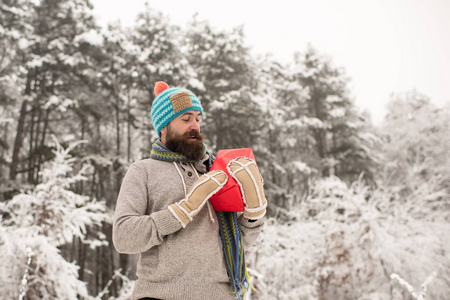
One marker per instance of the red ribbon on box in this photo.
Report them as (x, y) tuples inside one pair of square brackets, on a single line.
[(229, 198)]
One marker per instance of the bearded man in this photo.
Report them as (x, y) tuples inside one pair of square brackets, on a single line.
[(163, 212)]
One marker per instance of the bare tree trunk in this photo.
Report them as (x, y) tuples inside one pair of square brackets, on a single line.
[(117, 125), (335, 168), (83, 127), (30, 148), (92, 192), (3, 149), (97, 146), (112, 265), (18, 141), (97, 272), (81, 258), (41, 145), (34, 155), (129, 130)]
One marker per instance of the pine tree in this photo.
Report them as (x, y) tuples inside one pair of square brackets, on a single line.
[(222, 64), (55, 67), (285, 146), (42, 220), (158, 58), (15, 34), (343, 136)]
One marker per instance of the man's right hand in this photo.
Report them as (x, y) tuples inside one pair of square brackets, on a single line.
[(200, 192)]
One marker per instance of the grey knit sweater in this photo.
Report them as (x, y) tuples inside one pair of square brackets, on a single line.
[(174, 263)]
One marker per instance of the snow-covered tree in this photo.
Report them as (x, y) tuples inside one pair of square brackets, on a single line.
[(225, 84), (15, 29), (342, 136), (54, 75), (415, 152), (116, 79), (158, 57), (311, 127), (288, 160), (37, 223)]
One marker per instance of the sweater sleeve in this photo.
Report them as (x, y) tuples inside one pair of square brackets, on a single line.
[(133, 230), (250, 230)]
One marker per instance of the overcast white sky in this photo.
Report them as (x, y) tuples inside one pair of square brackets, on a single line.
[(385, 46)]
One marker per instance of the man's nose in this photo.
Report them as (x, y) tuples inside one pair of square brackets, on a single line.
[(194, 125)]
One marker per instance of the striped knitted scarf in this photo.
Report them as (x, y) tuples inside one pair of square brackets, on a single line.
[(160, 152), (230, 234)]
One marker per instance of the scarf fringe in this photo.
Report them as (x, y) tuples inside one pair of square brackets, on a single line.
[(234, 253)]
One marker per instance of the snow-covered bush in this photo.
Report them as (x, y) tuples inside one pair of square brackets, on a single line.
[(35, 223), (345, 243)]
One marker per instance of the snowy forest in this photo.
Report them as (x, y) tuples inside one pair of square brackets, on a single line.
[(355, 210)]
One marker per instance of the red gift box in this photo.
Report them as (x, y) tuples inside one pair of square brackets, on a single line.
[(229, 198)]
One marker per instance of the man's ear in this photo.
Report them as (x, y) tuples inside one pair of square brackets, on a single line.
[(163, 134)]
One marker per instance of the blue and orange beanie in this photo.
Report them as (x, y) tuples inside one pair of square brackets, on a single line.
[(170, 102)]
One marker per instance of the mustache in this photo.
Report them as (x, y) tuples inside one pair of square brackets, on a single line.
[(194, 134)]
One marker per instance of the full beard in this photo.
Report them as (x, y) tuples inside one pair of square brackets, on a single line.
[(181, 144)]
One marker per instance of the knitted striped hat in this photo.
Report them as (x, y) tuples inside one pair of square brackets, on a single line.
[(170, 103)]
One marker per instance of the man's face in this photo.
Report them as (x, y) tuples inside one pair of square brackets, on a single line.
[(182, 135)]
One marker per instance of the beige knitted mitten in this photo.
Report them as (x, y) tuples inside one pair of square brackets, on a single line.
[(206, 186), (246, 173)]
